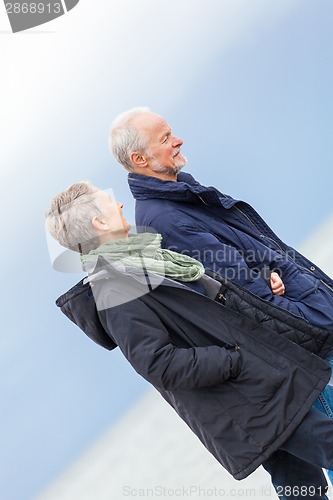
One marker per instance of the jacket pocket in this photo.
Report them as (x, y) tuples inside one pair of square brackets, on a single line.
[(299, 283), (258, 381)]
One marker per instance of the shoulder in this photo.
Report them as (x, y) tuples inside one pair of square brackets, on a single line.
[(156, 212)]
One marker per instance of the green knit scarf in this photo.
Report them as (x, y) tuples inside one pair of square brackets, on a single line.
[(144, 251)]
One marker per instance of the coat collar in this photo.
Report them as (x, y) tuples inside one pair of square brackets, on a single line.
[(186, 190)]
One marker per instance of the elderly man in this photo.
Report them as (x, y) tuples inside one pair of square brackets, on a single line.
[(228, 236), (229, 378)]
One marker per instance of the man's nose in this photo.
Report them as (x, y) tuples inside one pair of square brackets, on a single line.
[(120, 204), (177, 142)]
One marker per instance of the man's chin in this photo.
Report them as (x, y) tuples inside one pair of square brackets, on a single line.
[(169, 170), (177, 169), (179, 165)]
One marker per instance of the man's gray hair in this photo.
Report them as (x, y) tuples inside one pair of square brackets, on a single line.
[(126, 138), (69, 217)]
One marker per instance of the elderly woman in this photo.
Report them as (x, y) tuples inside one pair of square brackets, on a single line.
[(244, 390)]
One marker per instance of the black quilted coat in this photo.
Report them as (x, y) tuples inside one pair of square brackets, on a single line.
[(231, 367)]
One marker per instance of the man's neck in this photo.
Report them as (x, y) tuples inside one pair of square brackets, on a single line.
[(164, 177), (159, 175)]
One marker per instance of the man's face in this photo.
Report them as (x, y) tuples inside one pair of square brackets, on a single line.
[(163, 152)]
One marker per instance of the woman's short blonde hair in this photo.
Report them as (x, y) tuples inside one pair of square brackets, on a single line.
[(69, 218)]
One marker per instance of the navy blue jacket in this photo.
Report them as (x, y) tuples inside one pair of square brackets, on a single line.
[(228, 236)]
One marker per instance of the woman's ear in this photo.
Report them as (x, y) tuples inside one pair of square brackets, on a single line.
[(99, 223)]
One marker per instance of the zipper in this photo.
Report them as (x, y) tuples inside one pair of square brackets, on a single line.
[(248, 218), (328, 286), (276, 243), (286, 253), (262, 236), (220, 297), (202, 200)]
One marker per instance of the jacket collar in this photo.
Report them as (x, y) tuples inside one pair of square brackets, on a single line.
[(186, 189), (125, 276), (119, 277)]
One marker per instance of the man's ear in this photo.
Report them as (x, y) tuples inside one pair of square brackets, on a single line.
[(138, 159)]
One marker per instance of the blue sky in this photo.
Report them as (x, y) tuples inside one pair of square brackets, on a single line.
[(246, 84)]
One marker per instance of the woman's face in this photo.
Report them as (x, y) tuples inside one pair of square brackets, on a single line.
[(114, 223)]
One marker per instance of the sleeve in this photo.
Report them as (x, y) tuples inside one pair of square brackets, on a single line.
[(146, 344), (223, 260)]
